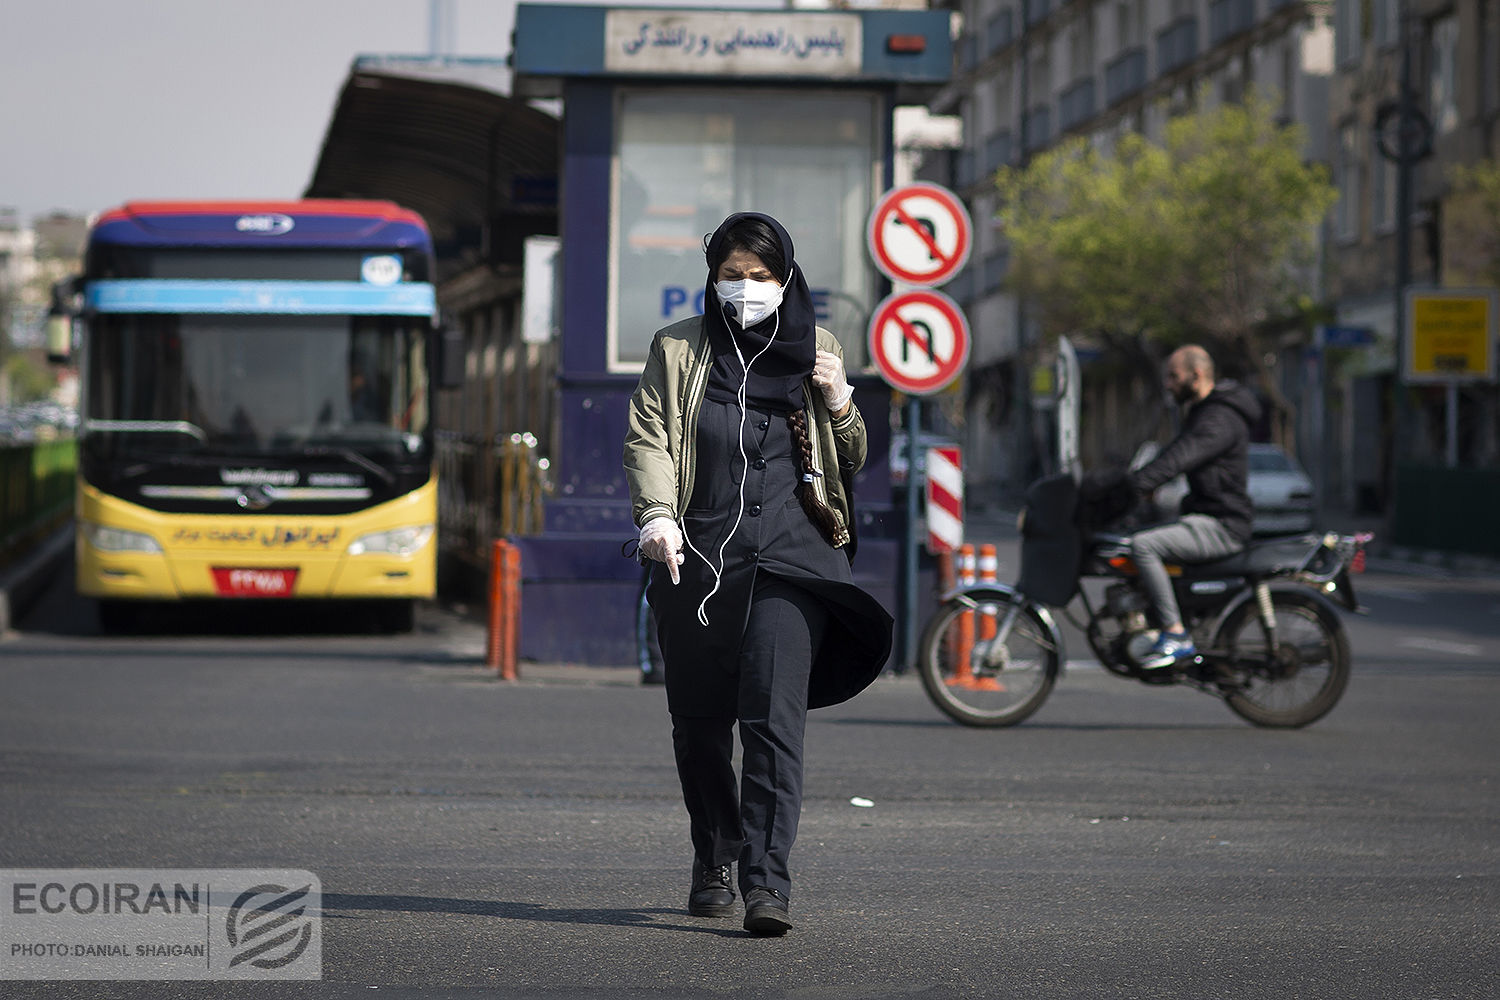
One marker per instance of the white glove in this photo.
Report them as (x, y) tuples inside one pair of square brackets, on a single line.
[(828, 375), (662, 541)]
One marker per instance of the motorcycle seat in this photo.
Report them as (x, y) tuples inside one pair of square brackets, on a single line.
[(1264, 558)]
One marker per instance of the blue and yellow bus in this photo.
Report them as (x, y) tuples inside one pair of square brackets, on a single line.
[(256, 405)]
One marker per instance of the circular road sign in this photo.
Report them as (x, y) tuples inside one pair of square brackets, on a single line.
[(919, 234), (919, 340)]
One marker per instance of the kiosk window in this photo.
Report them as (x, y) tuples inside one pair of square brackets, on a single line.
[(687, 161)]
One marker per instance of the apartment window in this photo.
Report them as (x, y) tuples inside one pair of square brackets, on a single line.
[(1346, 212), (1041, 78), (1130, 23), (1002, 107), (1081, 46), (1348, 30), (998, 31), (1387, 15), (1442, 83)]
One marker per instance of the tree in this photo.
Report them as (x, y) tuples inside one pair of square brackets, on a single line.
[(1207, 236), (1472, 217)]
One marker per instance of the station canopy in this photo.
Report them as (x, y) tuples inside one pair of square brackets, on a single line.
[(480, 167)]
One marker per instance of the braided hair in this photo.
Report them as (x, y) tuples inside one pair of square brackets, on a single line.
[(818, 512)]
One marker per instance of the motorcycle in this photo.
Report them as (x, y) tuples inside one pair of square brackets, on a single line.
[(1269, 638)]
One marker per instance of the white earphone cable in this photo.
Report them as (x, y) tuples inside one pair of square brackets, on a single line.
[(741, 397)]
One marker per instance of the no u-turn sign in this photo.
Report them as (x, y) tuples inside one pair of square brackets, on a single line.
[(919, 234), (919, 341)]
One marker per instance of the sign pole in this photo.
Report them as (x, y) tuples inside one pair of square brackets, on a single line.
[(918, 234), (913, 518), (1451, 451)]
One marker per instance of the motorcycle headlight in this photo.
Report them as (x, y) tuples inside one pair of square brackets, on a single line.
[(395, 542), (108, 539)]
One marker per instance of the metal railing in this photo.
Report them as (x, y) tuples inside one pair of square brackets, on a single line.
[(489, 488), (36, 492)]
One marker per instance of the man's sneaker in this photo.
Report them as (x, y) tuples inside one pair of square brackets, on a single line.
[(1169, 648)]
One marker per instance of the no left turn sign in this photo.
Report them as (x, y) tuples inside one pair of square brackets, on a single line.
[(919, 340), (919, 234)]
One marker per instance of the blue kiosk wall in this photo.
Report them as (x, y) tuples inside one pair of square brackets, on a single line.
[(579, 592)]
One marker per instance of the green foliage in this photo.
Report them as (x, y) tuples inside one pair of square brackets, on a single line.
[(29, 380), (1206, 235), (1472, 213)]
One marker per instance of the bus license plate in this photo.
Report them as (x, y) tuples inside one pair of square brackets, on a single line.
[(257, 582)]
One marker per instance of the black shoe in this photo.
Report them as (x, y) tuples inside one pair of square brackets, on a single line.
[(712, 894), (766, 912)]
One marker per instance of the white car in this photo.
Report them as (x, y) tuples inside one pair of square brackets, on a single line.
[(1281, 491)]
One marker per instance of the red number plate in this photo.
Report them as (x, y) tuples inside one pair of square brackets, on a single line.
[(257, 582)]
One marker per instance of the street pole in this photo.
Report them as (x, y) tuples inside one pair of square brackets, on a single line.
[(1403, 243), (1403, 135), (913, 534)]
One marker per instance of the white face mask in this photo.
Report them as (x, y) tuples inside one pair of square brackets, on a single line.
[(748, 302)]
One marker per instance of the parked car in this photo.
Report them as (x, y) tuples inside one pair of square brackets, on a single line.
[(1279, 488)]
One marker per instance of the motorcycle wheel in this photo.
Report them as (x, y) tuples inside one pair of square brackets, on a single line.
[(1296, 683), (995, 684)]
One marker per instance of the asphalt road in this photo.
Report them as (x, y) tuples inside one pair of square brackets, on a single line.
[(476, 838)]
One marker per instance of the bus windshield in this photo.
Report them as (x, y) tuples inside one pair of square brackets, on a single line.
[(243, 385)]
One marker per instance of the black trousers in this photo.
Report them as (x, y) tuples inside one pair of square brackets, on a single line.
[(766, 694)]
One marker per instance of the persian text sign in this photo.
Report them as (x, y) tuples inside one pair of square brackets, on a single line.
[(175, 923), (731, 43), (1452, 334)]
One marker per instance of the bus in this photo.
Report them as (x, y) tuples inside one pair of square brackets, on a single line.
[(255, 405)]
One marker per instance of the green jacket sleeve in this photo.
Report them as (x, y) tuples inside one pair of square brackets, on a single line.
[(650, 466), (849, 430)]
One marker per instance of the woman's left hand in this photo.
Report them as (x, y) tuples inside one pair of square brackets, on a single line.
[(828, 375)]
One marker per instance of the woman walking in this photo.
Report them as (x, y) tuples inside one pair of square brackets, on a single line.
[(742, 435)]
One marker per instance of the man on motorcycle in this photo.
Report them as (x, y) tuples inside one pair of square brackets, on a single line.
[(1216, 513)]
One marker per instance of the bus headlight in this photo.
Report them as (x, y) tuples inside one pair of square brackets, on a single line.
[(108, 539), (395, 542)]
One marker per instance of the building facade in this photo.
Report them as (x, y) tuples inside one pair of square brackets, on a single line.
[(1029, 73), (1453, 48)]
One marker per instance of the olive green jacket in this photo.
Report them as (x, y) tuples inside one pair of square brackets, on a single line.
[(661, 439)]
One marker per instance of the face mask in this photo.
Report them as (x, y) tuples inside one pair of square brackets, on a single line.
[(748, 302)]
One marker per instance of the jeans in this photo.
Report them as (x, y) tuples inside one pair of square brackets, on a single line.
[(1195, 538)]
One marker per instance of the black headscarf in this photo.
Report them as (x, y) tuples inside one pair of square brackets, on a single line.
[(775, 379)]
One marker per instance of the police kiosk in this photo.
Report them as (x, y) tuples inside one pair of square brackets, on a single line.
[(673, 119)]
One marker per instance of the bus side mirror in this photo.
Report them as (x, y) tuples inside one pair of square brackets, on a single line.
[(59, 339), (60, 315), (448, 344)]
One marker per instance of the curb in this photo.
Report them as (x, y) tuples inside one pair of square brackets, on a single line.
[(23, 582)]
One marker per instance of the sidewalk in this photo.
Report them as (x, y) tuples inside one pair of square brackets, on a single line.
[(22, 581)]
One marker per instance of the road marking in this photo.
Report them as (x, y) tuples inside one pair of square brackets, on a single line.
[(1416, 597), (1441, 646)]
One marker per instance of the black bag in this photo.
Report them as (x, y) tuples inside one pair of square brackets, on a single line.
[(1051, 544)]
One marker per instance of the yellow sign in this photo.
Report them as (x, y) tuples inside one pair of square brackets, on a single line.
[(1043, 380), (1452, 335)]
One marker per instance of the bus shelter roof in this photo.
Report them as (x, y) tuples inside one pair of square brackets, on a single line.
[(480, 167)]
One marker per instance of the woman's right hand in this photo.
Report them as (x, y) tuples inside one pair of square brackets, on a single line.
[(661, 540)]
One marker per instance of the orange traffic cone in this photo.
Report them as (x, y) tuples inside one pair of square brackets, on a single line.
[(989, 572), (963, 676)]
